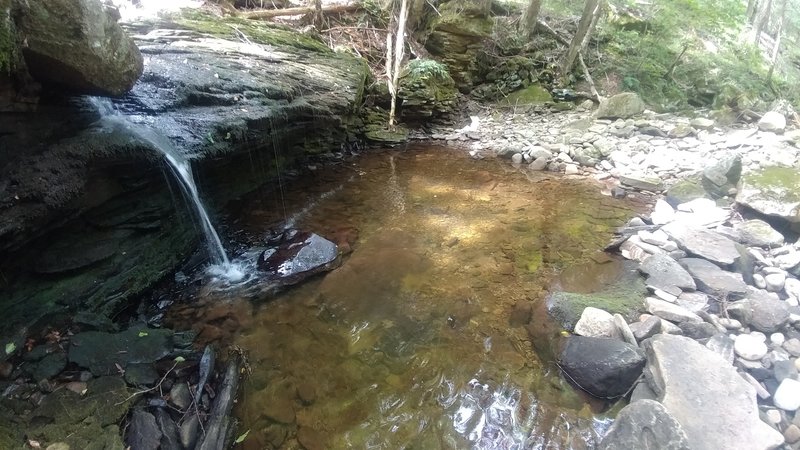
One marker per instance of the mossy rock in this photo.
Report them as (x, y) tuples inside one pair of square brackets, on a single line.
[(685, 190), (426, 90), (456, 38), (376, 128), (259, 32), (534, 94), (774, 191), (8, 44), (625, 296), (86, 421)]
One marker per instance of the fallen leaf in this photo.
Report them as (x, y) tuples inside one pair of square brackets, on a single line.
[(241, 437), (10, 347)]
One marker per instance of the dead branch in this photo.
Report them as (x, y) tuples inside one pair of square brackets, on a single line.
[(301, 10)]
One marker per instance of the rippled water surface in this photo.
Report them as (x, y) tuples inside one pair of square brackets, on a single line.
[(430, 334)]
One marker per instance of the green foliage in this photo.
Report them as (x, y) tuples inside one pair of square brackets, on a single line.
[(8, 47), (684, 53), (423, 69)]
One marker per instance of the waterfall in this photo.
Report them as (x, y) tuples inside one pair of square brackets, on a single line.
[(181, 168)]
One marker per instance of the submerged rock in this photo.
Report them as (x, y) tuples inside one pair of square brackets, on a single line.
[(105, 353)]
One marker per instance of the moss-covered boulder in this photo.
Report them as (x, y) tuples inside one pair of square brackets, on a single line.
[(685, 190), (624, 295), (457, 36), (774, 191), (534, 94), (427, 91), (620, 106), (77, 44), (502, 76)]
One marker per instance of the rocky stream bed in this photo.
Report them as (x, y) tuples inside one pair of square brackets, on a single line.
[(699, 329)]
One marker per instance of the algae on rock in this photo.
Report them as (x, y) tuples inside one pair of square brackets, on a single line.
[(427, 90)]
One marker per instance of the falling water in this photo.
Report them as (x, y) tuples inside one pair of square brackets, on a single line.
[(221, 265)]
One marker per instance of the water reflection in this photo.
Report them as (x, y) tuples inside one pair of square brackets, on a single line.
[(417, 341)]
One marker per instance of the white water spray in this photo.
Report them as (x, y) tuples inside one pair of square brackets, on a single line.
[(221, 265)]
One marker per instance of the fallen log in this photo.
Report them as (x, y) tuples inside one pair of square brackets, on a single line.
[(220, 426), (301, 10)]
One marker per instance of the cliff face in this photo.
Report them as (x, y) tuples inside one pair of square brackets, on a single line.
[(87, 217)]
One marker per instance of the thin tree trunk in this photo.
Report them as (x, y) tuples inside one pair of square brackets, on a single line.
[(777, 46), (270, 13), (751, 9), (761, 20), (528, 22), (393, 66), (318, 17), (595, 18), (589, 10)]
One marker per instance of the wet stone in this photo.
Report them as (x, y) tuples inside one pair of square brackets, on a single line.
[(298, 255), (180, 396), (644, 424), (101, 352), (646, 329), (48, 367), (141, 375), (143, 432)]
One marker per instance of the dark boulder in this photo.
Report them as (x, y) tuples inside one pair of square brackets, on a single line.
[(603, 367), (296, 255)]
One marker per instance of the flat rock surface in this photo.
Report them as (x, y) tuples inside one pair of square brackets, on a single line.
[(663, 271), (712, 280), (715, 406), (102, 353), (645, 424), (708, 244)]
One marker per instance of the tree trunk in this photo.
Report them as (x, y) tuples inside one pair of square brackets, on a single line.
[(589, 11), (778, 39), (750, 13), (528, 22), (393, 66), (761, 20)]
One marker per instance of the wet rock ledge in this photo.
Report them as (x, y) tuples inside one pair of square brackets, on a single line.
[(88, 219)]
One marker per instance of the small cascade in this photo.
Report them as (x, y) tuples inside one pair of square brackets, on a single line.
[(180, 167)]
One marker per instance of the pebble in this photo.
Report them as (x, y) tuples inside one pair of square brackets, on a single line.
[(777, 339), (731, 324), (749, 347), (792, 434), (759, 281), (773, 416), (792, 346), (787, 396), (775, 281)]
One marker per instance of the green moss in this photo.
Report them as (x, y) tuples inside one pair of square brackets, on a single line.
[(534, 94), (464, 18), (626, 297), (258, 32), (781, 183), (8, 47)]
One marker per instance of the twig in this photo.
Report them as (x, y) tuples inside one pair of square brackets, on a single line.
[(157, 386)]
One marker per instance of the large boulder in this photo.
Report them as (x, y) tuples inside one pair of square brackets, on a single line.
[(620, 106), (603, 367), (427, 91), (773, 190), (772, 121), (78, 45), (645, 424), (715, 406), (720, 178)]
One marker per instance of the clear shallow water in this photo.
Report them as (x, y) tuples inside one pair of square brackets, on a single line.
[(419, 339)]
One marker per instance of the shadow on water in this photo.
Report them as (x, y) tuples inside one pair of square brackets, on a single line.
[(424, 337)]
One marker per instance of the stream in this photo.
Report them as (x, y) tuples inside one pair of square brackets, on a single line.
[(432, 332)]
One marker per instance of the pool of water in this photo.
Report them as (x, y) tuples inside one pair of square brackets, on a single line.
[(431, 333)]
